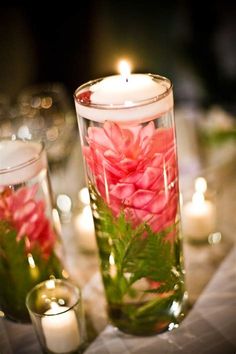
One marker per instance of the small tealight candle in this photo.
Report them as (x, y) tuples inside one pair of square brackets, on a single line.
[(60, 328), (199, 215)]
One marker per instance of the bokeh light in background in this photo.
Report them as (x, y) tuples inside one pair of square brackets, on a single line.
[(191, 44)]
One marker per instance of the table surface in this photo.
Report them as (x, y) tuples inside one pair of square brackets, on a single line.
[(208, 328), (201, 261)]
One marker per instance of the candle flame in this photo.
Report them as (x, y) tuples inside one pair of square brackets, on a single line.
[(34, 271), (54, 306), (111, 259), (113, 270), (124, 69), (200, 185), (198, 199), (50, 284), (84, 196), (64, 203), (31, 260)]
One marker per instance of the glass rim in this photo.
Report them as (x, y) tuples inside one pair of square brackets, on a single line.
[(134, 104), (57, 281), (34, 159)]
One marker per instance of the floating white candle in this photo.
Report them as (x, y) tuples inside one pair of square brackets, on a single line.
[(127, 91), (61, 330), (20, 161), (199, 215)]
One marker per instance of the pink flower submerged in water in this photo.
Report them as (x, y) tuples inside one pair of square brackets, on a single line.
[(27, 215), (134, 170)]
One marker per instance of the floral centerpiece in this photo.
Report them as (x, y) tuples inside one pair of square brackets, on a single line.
[(136, 222), (129, 147), (27, 242)]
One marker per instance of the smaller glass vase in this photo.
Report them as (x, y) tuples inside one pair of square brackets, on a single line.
[(28, 237)]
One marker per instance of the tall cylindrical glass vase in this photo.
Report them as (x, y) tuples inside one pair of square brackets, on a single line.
[(28, 234), (128, 141)]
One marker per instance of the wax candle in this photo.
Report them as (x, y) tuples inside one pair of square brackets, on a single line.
[(127, 90), (199, 215), (18, 154), (84, 196), (84, 226), (61, 331)]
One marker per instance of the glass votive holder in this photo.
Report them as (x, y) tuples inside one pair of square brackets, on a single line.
[(199, 215), (56, 311)]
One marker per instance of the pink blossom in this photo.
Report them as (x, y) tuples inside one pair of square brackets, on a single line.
[(134, 169), (27, 215)]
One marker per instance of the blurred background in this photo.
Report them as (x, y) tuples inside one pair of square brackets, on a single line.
[(47, 51), (191, 43)]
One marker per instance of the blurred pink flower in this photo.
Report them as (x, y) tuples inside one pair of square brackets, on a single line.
[(27, 216), (134, 169)]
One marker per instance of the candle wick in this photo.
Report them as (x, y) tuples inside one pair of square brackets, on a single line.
[(126, 80)]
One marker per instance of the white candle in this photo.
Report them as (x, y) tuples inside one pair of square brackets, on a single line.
[(84, 196), (127, 91), (199, 215), (61, 331), (85, 228), (20, 161)]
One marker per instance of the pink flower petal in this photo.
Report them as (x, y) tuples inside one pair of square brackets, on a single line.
[(99, 136), (147, 131), (148, 177), (140, 198), (170, 157), (25, 211), (157, 160), (24, 194), (138, 215), (132, 177), (157, 204), (159, 183), (114, 134), (128, 164), (112, 169), (122, 190)]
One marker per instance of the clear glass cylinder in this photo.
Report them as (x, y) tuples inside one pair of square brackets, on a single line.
[(129, 148), (29, 244)]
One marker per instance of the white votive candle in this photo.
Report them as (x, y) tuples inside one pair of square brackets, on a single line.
[(198, 217), (61, 331), (84, 196), (84, 227)]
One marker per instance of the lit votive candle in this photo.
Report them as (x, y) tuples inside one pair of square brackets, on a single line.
[(55, 308), (61, 331), (84, 227), (84, 196), (199, 215)]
